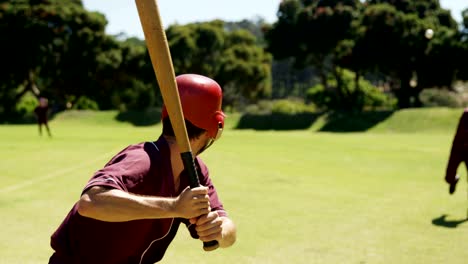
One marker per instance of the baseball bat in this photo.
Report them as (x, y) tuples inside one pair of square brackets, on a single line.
[(161, 60)]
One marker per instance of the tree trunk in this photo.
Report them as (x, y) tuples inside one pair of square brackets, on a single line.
[(403, 93), (323, 77), (29, 85), (357, 95), (340, 92)]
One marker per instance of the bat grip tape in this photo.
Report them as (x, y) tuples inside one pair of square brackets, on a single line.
[(189, 165)]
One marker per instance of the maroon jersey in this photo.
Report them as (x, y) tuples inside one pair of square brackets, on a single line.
[(459, 151), (41, 114), (142, 169)]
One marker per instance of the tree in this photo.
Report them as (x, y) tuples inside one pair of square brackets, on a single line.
[(256, 27), (51, 49), (462, 73), (317, 33), (245, 68), (391, 40), (125, 78), (233, 58)]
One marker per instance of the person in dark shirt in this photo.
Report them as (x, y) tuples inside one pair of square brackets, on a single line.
[(41, 111), (130, 210), (458, 152)]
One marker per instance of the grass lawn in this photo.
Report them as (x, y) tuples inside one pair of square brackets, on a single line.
[(296, 196)]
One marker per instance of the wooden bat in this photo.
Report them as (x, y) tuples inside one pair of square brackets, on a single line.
[(160, 55)]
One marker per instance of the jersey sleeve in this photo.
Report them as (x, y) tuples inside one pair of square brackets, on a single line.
[(205, 180), (124, 171)]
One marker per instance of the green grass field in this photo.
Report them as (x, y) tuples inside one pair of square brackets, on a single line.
[(296, 196)]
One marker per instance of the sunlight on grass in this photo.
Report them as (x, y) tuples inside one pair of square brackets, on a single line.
[(296, 196)]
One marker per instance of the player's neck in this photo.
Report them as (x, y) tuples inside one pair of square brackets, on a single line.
[(176, 160)]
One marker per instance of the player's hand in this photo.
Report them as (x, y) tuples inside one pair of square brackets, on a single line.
[(208, 226), (192, 203), (453, 184)]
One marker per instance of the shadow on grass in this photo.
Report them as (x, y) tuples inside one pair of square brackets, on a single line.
[(354, 122), (23, 119), (277, 121), (442, 221), (140, 118), (334, 122)]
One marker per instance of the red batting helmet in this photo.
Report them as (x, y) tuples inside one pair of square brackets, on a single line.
[(201, 99)]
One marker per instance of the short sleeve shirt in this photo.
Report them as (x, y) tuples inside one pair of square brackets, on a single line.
[(41, 113), (142, 169)]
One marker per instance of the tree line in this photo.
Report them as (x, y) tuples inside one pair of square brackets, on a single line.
[(380, 40), (329, 52)]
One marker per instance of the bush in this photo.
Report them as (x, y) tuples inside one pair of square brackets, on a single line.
[(147, 117), (261, 107), (374, 99), (26, 104), (84, 103), (439, 98), (25, 109), (291, 107), (283, 114), (139, 96), (347, 97), (281, 106), (321, 97)]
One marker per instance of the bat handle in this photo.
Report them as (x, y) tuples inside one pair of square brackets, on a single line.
[(189, 165)]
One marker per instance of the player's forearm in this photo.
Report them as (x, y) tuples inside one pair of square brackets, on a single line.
[(228, 233), (119, 206)]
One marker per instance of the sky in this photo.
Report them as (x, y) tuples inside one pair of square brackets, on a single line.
[(122, 15)]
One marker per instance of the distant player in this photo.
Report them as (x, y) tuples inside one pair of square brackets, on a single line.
[(41, 112), (458, 153)]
